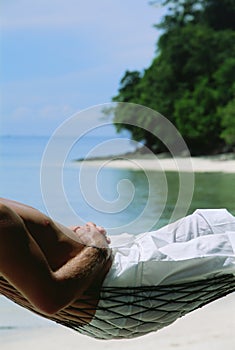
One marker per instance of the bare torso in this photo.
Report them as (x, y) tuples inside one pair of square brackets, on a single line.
[(59, 246)]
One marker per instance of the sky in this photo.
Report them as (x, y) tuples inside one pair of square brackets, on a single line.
[(58, 57)]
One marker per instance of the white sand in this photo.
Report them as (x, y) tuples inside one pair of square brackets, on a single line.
[(196, 164), (211, 327)]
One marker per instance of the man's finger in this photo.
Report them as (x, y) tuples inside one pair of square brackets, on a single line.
[(101, 229), (91, 224), (74, 228)]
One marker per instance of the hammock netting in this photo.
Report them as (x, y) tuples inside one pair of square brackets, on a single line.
[(140, 310), (125, 312)]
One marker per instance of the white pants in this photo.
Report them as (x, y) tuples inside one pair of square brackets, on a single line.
[(198, 247), (200, 244)]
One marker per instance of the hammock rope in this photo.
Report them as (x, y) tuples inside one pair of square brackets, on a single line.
[(151, 308), (132, 312)]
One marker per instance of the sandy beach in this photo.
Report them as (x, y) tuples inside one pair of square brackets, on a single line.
[(220, 163), (210, 327)]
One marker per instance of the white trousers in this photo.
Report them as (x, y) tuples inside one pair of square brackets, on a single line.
[(196, 248)]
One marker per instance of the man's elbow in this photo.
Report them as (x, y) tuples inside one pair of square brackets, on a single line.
[(49, 307), (51, 301)]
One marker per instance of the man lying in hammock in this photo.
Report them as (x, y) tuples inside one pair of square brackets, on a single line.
[(141, 284)]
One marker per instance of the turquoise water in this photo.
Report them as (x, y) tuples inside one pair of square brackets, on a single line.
[(20, 180)]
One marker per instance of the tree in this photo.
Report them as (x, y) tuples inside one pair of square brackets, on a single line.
[(228, 122), (191, 79), (219, 15), (129, 87)]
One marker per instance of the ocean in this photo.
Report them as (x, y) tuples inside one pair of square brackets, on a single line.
[(114, 198)]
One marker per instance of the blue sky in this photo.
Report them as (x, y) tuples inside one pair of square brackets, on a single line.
[(61, 56)]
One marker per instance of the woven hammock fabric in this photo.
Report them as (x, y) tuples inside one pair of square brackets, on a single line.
[(137, 311)]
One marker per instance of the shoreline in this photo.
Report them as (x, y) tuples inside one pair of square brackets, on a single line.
[(224, 163)]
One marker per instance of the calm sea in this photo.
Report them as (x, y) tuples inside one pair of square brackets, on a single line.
[(110, 197)]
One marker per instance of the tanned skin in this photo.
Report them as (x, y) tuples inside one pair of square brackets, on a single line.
[(49, 265)]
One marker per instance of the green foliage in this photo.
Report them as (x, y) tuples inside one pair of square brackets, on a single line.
[(219, 14), (191, 80), (128, 87), (228, 122), (197, 120)]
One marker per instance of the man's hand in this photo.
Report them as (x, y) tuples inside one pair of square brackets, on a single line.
[(92, 235)]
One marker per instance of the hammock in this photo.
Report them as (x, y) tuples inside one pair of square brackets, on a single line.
[(150, 308), (133, 312), (156, 278)]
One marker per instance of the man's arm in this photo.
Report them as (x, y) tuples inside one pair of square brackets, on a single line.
[(42, 227), (57, 242), (23, 264)]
